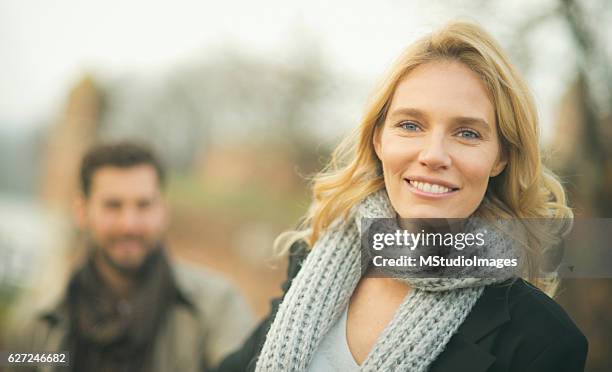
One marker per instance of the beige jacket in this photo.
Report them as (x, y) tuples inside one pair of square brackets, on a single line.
[(188, 338)]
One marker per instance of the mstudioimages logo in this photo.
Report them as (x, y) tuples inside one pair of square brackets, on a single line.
[(439, 261)]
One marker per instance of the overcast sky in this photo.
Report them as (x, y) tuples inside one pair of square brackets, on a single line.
[(47, 45)]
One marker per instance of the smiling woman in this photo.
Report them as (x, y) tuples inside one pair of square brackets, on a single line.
[(436, 147), (451, 132)]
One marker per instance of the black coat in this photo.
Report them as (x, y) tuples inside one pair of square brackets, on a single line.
[(512, 327)]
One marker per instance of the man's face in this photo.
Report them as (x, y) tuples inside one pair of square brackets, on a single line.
[(125, 215)]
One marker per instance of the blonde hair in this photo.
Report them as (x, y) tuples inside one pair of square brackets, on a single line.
[(525, 189)]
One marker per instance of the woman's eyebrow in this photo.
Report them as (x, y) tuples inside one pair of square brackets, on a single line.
[(409, 111)]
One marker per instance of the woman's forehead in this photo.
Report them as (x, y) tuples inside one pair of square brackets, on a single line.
[(446, 88)]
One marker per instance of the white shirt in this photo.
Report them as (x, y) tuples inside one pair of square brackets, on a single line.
[(333, 353)]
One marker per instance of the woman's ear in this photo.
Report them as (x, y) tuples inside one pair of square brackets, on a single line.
[(376, 141)]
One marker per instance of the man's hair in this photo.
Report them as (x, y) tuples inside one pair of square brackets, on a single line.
[(125, 154)]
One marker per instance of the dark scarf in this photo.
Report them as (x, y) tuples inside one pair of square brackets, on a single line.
[(109, 334)]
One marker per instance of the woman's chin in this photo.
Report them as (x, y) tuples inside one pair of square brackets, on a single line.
[(425, 213)]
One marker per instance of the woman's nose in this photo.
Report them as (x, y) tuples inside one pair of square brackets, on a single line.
[(434, 153)]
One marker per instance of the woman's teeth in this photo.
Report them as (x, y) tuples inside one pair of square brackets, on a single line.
[(430, 187)]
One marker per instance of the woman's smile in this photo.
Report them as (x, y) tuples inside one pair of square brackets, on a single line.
[(430, 190)]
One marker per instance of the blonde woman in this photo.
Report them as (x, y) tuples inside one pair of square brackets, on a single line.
[(451, 132)]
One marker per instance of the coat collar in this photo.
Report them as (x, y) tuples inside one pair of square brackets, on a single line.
[(465, 351), (490, 312)]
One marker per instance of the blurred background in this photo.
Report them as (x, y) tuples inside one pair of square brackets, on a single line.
[(245, 100)]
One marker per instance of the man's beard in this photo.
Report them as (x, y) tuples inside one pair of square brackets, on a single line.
[(132, 271)]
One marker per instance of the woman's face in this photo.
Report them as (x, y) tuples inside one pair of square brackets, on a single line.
[(439, 143)]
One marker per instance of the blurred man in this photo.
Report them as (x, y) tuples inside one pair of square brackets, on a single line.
[(128, 307)]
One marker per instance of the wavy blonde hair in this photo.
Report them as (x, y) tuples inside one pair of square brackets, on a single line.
[(525, 188)]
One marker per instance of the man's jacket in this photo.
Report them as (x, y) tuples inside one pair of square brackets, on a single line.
[(214, 322)]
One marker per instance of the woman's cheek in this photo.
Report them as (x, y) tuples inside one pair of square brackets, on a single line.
[(397, 153), (475, 170)]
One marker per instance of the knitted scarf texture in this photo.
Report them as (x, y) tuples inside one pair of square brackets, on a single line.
[(421, 327)]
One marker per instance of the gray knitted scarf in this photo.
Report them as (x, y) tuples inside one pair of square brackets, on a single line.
[(420, 329)]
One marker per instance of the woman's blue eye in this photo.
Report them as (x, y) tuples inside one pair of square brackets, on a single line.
[(409, 126), (470, 134)]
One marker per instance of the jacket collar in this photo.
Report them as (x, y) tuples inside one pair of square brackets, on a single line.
[(466, 351), (490, 312)]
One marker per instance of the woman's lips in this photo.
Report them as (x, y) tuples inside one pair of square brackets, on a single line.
[(430, 191)]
